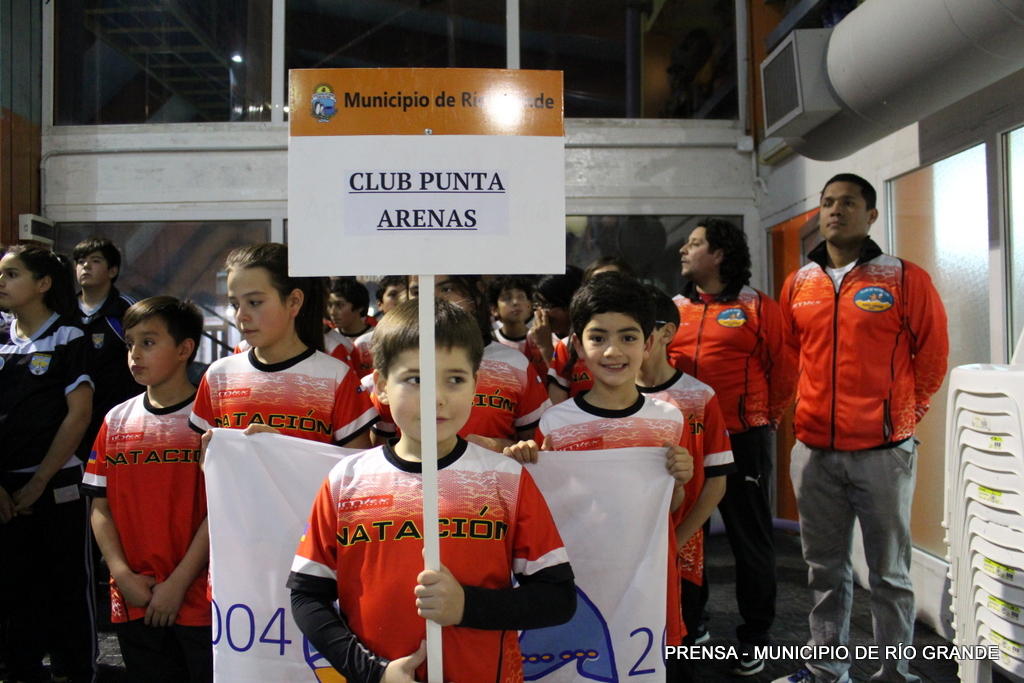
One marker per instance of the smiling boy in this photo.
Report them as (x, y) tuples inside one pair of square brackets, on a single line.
[(362, 546), (612, 320)]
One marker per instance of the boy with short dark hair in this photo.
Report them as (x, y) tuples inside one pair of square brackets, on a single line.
[(361, 546), (612, 320), (347, 306), (149, 502), (102, 306), (390, 293), (511, 300), (707, 440)]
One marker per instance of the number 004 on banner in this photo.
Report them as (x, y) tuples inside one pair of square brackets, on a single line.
[(427, 171)]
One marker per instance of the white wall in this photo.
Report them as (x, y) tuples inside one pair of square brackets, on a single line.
[(163, 172)]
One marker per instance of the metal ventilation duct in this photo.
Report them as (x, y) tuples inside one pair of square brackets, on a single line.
[(893, 62)]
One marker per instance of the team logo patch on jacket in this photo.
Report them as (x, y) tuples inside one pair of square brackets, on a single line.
[(732, 317), (97, 340), (874, 299), (40, 363)]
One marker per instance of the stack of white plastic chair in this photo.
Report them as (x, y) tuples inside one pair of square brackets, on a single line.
[(984, 513)]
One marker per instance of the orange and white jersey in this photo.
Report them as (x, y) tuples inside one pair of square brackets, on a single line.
[(707, 440), (871, 354), (364, 539), (736, 344), (528, 347), (575, 382), (336, 345), (364, 351), (145, 462), (311, 396), (575, 425), (509, 397)]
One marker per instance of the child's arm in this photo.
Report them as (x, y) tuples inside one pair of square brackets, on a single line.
[(556, 393), (316, 617), (63, 446), (168, 594), (542, 334), (710, 495), (545, 598), (680, 465), (136, 588)]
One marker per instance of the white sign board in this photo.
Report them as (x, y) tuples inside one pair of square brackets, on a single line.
[(466, 175)]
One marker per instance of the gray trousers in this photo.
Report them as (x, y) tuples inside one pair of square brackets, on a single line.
[(876, 487)]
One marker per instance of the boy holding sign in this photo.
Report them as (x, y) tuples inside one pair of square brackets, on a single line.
[(362, 546), (612, 320)]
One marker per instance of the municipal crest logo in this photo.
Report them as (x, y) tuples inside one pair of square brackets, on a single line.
[(324, 102), (97, 340), (40, 363), (873, 299), (732, 317)]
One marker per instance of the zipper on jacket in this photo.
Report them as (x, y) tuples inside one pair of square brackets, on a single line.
[(835, 354), (886, 421)]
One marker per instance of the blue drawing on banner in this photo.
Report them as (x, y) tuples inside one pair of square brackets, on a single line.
[(584, 639), (325, 673)]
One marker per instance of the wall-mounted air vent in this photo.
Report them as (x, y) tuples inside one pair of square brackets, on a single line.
[(793, 79)]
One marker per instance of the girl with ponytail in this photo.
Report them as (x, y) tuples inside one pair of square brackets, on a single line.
[(285, 383), (45, 408)]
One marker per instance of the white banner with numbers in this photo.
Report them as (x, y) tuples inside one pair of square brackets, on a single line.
[(611, 508)]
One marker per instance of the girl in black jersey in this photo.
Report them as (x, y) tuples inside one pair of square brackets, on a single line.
[(45, 407)]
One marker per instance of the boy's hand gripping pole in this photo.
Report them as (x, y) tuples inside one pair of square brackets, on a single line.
[(428, 441)]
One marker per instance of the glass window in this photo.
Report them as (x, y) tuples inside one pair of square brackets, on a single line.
[(161, 61), (1015, 183), (185, 260), (940, 222), (395, 33), (649, 244)]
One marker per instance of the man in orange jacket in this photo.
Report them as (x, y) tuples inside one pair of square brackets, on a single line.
[(730, 336), (870, 331)]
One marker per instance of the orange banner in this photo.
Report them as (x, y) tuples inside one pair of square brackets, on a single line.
[(415, 101)]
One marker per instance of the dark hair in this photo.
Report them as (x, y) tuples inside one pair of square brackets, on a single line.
[(611, 292), (110, 253), (183, 318), (866, 188), (399, 331), (42, 262), (619, 264), (558, 290), (724, 235), (400, 281), (468, 286), (273, 258), (665, 310), (508, 283), (352, 291)]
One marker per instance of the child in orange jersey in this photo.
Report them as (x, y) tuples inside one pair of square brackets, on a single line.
[(383, 596), (510, 396), (149, 502), (285, 383), (612, 320), (511, 299), (707, 440)]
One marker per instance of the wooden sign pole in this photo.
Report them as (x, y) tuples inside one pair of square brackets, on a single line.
[(428, 455)]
